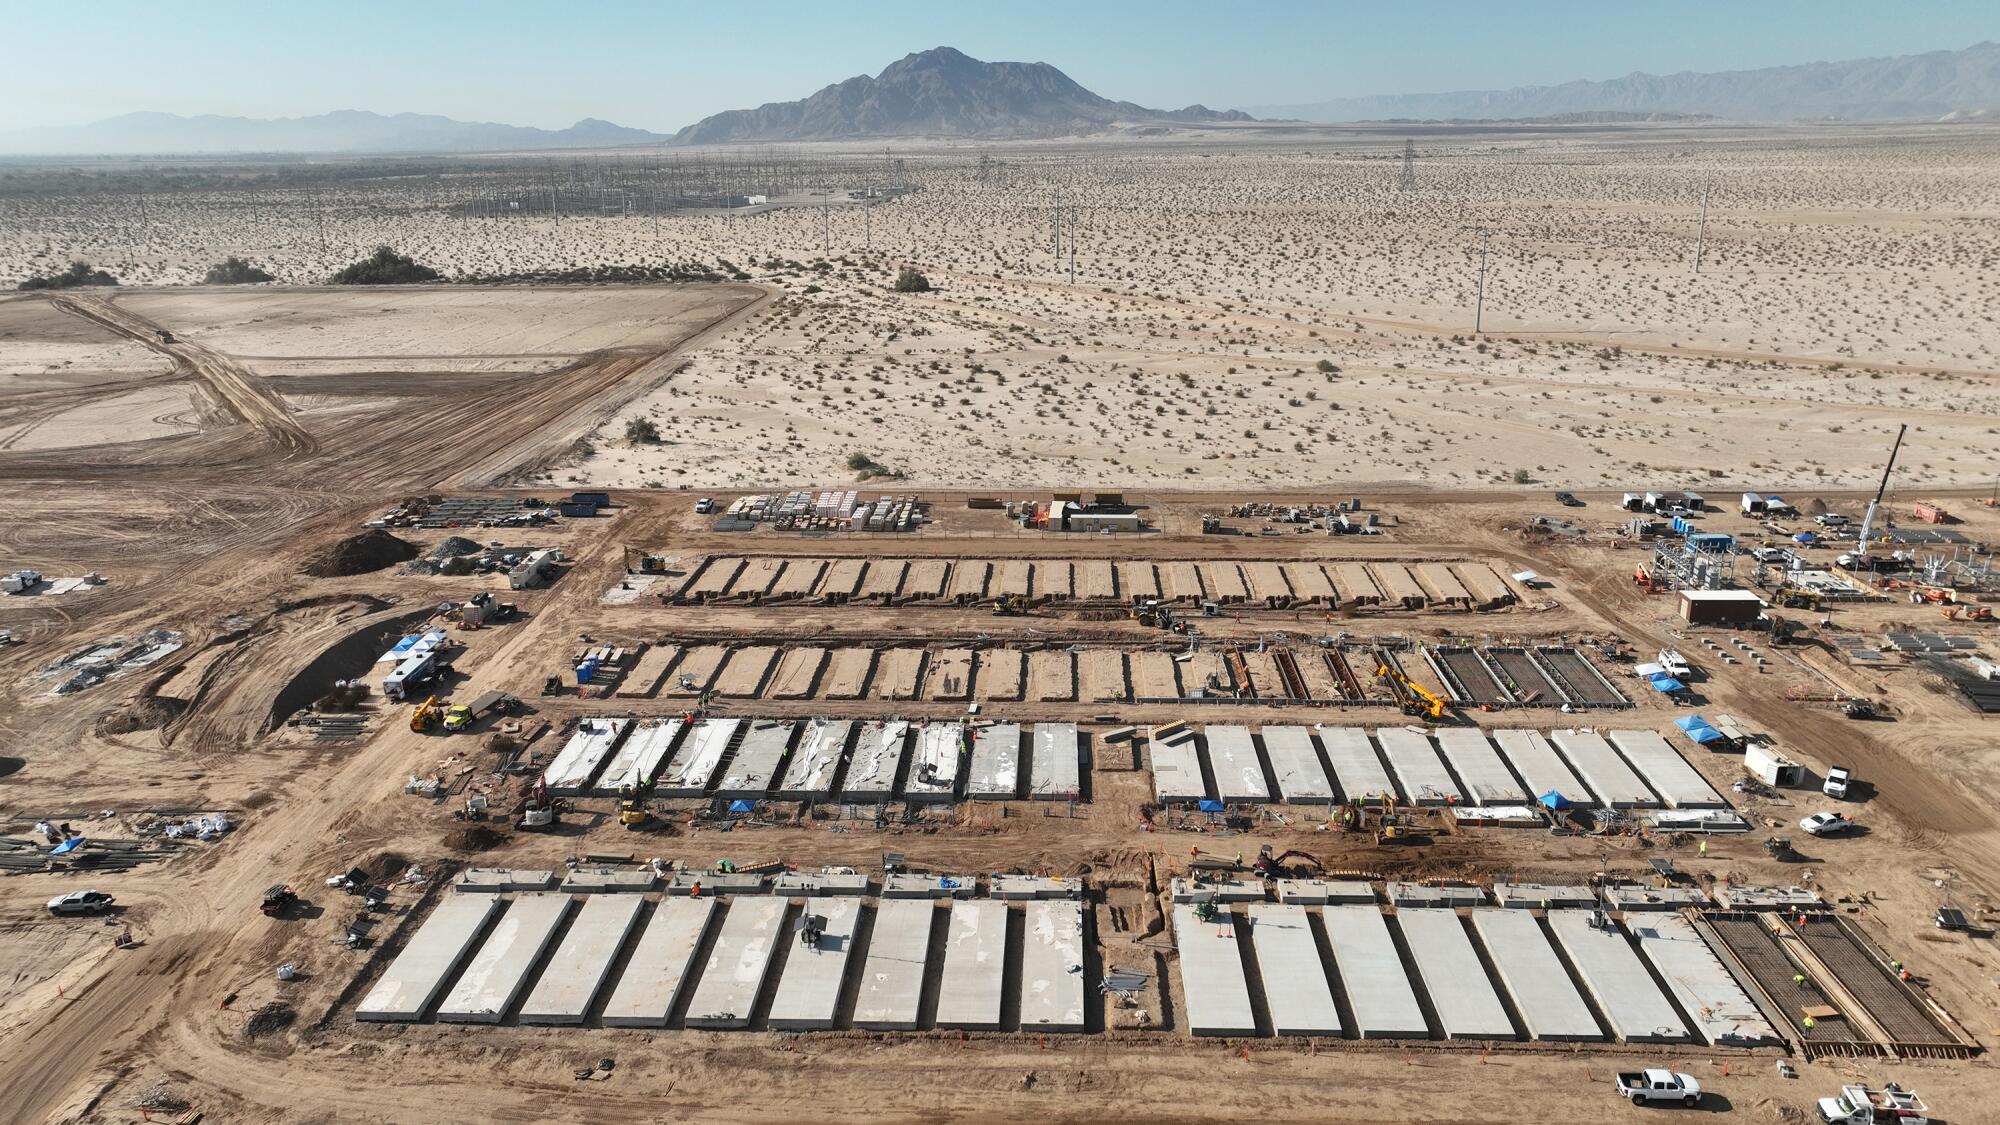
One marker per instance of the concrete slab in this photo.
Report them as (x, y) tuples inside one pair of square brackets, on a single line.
[(799, 884), (1483, 775), (498, 972), (809, 990), (1449, 968), (1417, 767), (810, 773), (714, 883), (640, 759), (995, 774), (1679, 784), (1603, 770), (417, 976), (975, 961), (1378, 990), (1549, 1004), (1176, 769), (658, 970), (1629, 897), (1723, 1014), (1014, 887), (908, 884), (1229, 889), (877, 758), (751, 930), (1542, 768), (1054, 771), (1767, 898), (590, 880), (577, 764), (1544, 896), (1319, 892), (1052, 967), (693, 766), (1499, 816), (935, 770), (1356, 769), (892, 979), (1215, 992), (1420, 894), (755, 766), (1295, 990), (1238, 772), (1636, 1008), (493, 880), (577, 971), (1295, 763)]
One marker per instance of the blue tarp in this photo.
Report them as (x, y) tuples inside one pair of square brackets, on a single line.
[(1553, 800), (742, 806), (1698, 730), (1667, 684), (67, 846), (1210, 806), (1805, 537)]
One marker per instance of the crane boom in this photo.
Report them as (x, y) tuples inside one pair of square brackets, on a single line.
[(1875, 506)]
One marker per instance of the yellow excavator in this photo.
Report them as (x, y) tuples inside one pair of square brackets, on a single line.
[(1416, 699), (1010, 605), (426, 715)]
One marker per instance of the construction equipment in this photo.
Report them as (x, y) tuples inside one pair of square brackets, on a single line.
[(552, 685), (1152, 614), (646, 564), (1010, 605), (1415, 698), (426, 715), (811, 928), (278, 901), (537, 811), (1796, 597), (1969, 613), (1398, 828), (1858, 709), (1274, 867), (463, 715), (1859, 558), (633, 810), (1206, 912), (1780, 848)]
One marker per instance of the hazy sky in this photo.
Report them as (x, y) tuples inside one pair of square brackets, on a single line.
[(662, 65)]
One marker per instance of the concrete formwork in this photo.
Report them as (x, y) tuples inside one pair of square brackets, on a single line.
[(1176, 768), (582, 962), (757, 759), (1296, 993), (691, 768), (1052, 966), (995, 774), (975, 962), (935, 769), (638, 761), (1541, 767), (1617, 979), (1723, 1014), (810, 773), (577, 764), (1603, 770), (892, 979), (417, 976), (1053, 773), (1449, 967), (1356, 768), (809, 989), (1549, 1004), (1417, 767), (1484, 777), (1215, 993), (1295, 761), (877, 757), (736, 968), (1233, 761), (1679, 784), (495, 976), (658, 970), (1378, 990)]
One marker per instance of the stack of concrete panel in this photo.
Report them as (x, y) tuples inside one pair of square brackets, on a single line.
[(1356, 769), (638, 762), (738, 964), (1451, 973), (1723, 1014), (1542, 768), (755, 765), (495, 880), (809, 989), (877, 758), (1549, 1004), (1416, 764), (892, 979), (1485, 778), (693, 766), (1052, 967), (975, 962), (1176, 768), (1295, 762), (1052, 775), (419, 973), (1603, 770), (577, 971), (494, 978), (1232, 759), (658, 971), (1679, 784), (1213, 985), (1378, 990), (580, 759), (810, 773), (996, 763), (935, 769), (1637, 1010), (1288, 962)]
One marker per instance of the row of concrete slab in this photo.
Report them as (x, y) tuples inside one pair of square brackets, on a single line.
[(819, 759), (1407, 585), (1322, 764), (744, 961), (1567, 975)]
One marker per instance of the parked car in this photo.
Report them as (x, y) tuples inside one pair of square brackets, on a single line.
[(1568, 500), (1837, 781), (80, 902), (704, 505), (1656, 1085), (1826, 824)]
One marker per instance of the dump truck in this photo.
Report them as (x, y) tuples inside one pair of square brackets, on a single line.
[(1656, 1085), (462, 715), (1860, 1105)]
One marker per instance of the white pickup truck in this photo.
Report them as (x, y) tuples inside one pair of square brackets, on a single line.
[(1655, 1085), (1859, 1105)]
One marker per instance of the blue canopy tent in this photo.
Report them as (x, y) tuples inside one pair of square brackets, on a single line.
[(1210, 806), (1805, 537), (1698, 730), (1553, 800), (742, 806), (1667, 684), (67, 846)]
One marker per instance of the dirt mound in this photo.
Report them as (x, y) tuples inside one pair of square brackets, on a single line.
[(269, 1020), (150, 713), (1814, 507), (384, 866), (474, 838), (454, 545), (360, 554)]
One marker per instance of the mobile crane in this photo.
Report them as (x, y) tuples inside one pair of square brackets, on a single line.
[(1859, 558), (1416, 699)]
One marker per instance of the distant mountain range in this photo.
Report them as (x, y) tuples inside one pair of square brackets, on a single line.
[(1931, 85), (345, 130), (946, 93)]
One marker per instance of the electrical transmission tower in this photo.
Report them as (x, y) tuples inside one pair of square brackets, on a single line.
[(1409, 180)]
